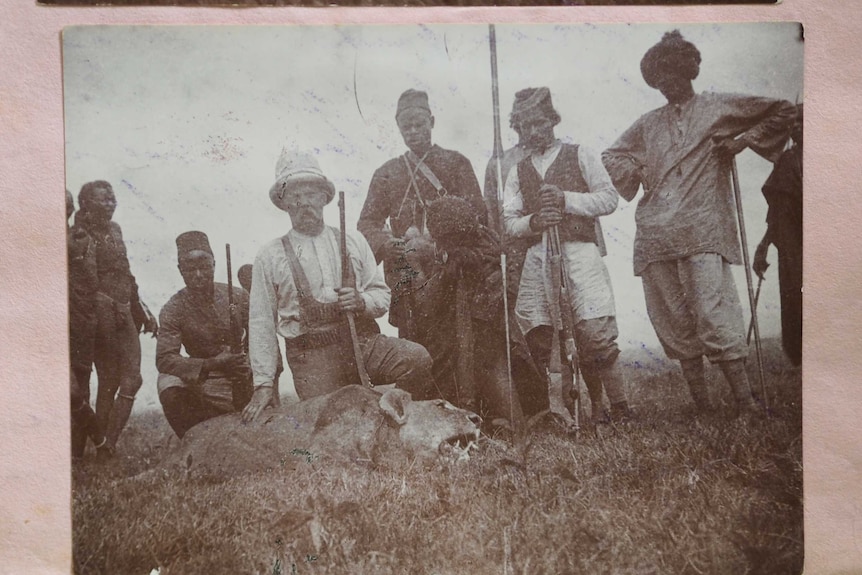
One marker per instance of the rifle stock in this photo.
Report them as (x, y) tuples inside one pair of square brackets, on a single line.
[(241, 387)]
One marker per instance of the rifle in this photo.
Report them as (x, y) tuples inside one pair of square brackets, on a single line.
[(348, 279), (562, 316), (241, 386)]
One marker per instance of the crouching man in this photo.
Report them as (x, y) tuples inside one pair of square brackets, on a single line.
[(211, 380), (297, 294)]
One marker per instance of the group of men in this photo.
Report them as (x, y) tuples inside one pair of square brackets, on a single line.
[(439, 240)]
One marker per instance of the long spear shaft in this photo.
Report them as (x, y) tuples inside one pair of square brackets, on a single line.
[(498, 154), (748, 280)]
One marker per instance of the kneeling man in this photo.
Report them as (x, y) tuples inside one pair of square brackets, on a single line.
[(297, 294), (211, 380)]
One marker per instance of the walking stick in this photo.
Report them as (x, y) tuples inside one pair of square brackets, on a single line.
[(498, 153), (751, 299), (348, 280), (756, 300)]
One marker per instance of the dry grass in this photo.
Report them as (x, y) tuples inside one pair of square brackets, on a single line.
[(668, 494)]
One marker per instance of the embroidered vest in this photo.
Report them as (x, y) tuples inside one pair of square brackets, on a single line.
[(565, 173)]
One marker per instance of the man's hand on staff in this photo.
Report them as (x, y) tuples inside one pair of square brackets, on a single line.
[(350, 300), (259, 400), (760, 264), (729, 147)]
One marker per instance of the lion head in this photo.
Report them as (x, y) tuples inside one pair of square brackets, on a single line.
[(433, 428)]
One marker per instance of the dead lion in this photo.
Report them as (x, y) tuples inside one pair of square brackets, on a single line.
[(353, 424)]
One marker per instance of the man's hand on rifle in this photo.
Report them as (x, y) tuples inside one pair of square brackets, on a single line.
[(553, 202), (553, 197), (350, 300), (225, 362), (259, 400)]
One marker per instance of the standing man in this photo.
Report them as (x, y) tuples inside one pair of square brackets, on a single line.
[(83, 281), (399, 192), (211, 379), (686, 237), (783, 193), (298, 294), (566, 186), (120, 314)]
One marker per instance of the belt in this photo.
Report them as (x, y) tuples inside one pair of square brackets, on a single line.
[(336, 335), (314, 340)]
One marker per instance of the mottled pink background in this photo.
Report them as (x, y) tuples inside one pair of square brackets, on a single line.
[(34, 453)]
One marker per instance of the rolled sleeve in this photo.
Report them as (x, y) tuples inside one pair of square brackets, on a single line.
[(602, 199), (370, 282), (262, 323)]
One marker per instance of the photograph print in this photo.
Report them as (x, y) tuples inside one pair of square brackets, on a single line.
[(435, 299)]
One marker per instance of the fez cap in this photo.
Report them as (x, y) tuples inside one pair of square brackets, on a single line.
[(530, 99), (412, 99), (293, 168), (191, 241), (672, 54)]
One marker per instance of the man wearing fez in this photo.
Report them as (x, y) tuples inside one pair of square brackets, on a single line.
[(686, 237), (566, 186), (297, 293), (399, 192), (213, 377), (120, 314)]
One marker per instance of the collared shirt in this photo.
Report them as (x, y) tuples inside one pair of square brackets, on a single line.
[(274, 306), (201, 326), (688, 205)]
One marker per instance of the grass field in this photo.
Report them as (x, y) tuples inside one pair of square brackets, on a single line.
[(668, 494)]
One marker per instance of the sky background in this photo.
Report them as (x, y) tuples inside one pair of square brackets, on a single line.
[(187, 123)]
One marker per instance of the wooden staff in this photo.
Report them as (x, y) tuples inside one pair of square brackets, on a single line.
[(498, 154), (748, 280)]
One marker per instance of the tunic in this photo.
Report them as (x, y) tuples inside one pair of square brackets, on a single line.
[(688, 205), (202, 327)]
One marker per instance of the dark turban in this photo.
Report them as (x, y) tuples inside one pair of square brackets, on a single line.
[(673, 54), (191, 241), (532, 98)]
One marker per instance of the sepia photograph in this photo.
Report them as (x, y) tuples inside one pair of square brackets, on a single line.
[(435, 298)]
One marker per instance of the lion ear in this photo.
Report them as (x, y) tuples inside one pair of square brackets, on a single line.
[(392, 402)]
